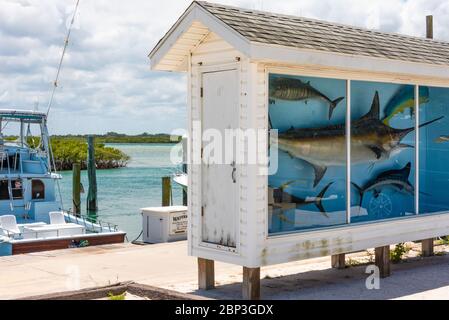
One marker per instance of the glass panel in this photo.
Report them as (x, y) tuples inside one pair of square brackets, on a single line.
[(434, 150), (309, 188), (382, 151)]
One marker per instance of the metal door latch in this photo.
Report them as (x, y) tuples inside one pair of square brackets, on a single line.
[(234, 169)]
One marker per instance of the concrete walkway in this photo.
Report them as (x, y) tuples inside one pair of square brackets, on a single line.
[(168, 266)]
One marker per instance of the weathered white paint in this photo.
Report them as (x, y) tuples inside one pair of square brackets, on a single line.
[(214, 55), (220, 49), (219, 175), (318, 243)]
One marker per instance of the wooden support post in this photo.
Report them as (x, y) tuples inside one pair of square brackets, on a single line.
[(427, 247), (76, 189), (251, 283), (338, 261), (206, 274), (382, 260), (427, 244)]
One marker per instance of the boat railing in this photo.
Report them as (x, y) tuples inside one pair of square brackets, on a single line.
[(91, 224)]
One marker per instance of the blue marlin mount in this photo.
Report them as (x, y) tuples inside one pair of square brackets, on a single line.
[(371, 141)]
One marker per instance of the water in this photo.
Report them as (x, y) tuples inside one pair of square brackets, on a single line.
[(122, 192)]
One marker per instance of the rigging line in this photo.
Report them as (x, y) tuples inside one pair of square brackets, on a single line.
[(66, 42)]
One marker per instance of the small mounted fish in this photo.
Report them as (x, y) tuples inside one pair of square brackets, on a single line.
[(442, 139), (300, 202), (295, 90), (402, 100)]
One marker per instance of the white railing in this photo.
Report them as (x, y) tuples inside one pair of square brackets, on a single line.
[(91, 224)]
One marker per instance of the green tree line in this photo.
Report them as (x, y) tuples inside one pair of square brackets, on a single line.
[(69, 151)]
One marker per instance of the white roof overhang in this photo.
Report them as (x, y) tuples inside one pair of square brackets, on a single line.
[(171, 53)]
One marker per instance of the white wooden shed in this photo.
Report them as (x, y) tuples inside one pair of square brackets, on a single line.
[(244, 65)]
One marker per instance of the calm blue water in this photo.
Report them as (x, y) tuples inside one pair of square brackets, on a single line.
[(122, 192)]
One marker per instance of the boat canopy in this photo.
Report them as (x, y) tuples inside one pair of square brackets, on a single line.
[(22, 116)]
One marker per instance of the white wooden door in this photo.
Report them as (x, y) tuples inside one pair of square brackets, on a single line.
[(220, 111)]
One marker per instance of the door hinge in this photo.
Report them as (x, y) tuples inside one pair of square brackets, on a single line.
[(202, 211), (201, 92)]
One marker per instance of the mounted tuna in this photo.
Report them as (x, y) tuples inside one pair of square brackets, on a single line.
[(295, 90), (371, 141)]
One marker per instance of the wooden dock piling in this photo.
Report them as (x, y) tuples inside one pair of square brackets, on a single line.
[(166, 191), (76, 189), (92, 205)]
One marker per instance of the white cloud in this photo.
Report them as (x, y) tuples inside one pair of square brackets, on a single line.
[(106, 84)]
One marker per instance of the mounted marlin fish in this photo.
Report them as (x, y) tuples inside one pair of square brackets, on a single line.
[(393, 178), (371, 141), (295, 90), (404, 99)]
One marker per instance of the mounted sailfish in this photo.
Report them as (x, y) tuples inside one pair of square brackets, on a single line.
[(371, 141), (394, 178), (295, 90), (404, 99)]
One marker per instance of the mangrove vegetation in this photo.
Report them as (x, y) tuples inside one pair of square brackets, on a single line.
[(69, 151)]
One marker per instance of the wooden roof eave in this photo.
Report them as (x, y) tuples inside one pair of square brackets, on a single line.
[(194, 14)]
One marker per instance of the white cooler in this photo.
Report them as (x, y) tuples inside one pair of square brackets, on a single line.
[(164, 224)]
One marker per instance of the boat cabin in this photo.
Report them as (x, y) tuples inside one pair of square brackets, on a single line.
[(27, 183), (32, 217), (307, 138)]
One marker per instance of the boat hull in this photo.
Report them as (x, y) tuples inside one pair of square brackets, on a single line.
[(29, 246)]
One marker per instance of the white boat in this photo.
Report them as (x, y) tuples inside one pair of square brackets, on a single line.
[(31, 214)]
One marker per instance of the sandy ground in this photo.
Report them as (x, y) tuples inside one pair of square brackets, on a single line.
[(168, 266)]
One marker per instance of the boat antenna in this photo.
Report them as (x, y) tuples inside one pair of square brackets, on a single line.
[(66, 43)]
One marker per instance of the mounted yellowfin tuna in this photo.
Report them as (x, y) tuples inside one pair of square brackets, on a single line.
[(371, 141), (404, 99), (295, 90)]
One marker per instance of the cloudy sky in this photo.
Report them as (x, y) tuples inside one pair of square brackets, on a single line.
[(106, 84)]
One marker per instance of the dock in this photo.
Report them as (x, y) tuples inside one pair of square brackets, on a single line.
[(167, 266)]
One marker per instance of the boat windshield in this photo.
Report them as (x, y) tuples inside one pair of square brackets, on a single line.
[(22, 128)]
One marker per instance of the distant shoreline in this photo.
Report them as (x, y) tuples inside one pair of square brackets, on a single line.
[(113, 137)]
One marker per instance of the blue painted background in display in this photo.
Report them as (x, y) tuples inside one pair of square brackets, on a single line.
[(296, 176)]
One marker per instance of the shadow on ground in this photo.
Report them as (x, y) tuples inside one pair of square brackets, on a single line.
[(410, 277)]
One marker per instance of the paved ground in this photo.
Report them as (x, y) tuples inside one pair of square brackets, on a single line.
[(168, 266)]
